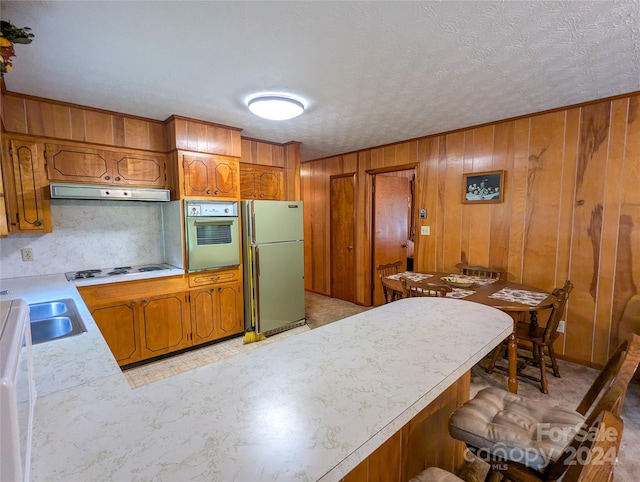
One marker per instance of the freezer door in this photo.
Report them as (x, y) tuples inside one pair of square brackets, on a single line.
[(279, 269), (275, 221)]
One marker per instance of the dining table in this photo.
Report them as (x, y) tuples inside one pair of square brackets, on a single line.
[(510, 297)]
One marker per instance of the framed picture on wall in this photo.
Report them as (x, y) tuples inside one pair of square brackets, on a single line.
[(483, 187)]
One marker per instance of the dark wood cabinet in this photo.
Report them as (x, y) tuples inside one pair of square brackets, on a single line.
[(261, 182), (71, 163), (27, 202), (210, 176)]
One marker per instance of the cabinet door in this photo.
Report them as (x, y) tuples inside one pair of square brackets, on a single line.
[(138, 169), (119, 327), (216, 312), (204, 307), (78, 164), (210, 176), (231, 313), (32, 212), (164, 324), (99, 166), (261, 182)]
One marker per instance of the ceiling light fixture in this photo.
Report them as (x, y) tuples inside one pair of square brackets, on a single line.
[(276, 107)]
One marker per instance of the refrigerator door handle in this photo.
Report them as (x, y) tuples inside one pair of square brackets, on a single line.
[(253, 225), (257, 262)]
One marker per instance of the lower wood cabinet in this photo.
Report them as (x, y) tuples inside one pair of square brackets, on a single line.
[(140, 320), (164, 324), (216, 312), (120, 328)]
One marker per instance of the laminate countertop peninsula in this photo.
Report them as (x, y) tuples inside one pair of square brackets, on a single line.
[(310, 407)]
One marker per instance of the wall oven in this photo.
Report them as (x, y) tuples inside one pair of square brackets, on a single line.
[(212, 234)]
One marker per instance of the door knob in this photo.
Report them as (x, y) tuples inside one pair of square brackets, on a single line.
[(349, 248)]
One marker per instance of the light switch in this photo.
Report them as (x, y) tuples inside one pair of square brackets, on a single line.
[(425, 230)]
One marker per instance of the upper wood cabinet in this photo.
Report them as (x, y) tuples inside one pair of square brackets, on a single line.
[(261, 182), (210, 176), (103, 166), (27, 207)]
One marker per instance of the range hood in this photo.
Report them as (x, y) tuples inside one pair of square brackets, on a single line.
[(101, 192)]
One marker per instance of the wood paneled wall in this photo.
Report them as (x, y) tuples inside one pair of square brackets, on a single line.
[(571, 210), (35, 116), (201, 136)]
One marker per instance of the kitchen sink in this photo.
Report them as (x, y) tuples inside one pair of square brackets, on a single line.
[(53, 320)]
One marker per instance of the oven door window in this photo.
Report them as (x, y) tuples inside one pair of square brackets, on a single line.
[(209, 234), (212, 243)]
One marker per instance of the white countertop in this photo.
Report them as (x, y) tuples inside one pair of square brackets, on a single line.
[(309, 407)]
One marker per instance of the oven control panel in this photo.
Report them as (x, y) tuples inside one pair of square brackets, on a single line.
[(210, 209)]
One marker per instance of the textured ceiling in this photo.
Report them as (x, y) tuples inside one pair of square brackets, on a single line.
[(371, 72)]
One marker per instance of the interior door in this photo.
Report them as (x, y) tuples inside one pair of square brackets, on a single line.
[(343, 272), (391, 200)]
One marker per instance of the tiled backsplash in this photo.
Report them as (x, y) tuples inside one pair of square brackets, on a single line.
[(88, 234)]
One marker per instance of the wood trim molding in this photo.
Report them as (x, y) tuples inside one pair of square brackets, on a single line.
[(199, 121)]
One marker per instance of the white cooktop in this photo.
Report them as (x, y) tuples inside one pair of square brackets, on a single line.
[(121, 273)]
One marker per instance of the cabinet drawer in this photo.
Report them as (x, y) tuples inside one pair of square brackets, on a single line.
[(211, 277)]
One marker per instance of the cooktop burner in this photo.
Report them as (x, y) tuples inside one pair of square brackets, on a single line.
[(120, 270)]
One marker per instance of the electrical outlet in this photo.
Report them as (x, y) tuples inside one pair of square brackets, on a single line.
[(425, 230), (561, 326), (27, 254)]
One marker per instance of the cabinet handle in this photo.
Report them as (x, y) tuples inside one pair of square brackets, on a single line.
[(144, 302), (217, 191), (132, 303), (208, 191), (117, 178), (106, 178), (38, 223)]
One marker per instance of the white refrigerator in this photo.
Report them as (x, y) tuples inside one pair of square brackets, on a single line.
[(273, 263)]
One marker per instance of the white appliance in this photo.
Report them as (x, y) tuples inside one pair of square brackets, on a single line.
[(273, 264), (101, 192), (17, 391), (212, 234)]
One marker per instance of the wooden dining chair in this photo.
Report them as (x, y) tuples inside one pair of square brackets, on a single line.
[(538, 339), (482, 271), (386, 270), (505, 429), (412, 289), (590, 457)]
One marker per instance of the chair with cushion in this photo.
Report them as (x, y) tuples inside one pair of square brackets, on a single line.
[(412, 289), (595, 450), (522, 438), (387, 270), (482, 271), (539, 339)]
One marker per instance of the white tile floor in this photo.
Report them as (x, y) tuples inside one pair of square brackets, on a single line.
[(168, 367)]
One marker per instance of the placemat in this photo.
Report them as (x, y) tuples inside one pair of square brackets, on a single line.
[(476, 279), (524, 297), (459, 293), (410, 275)]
